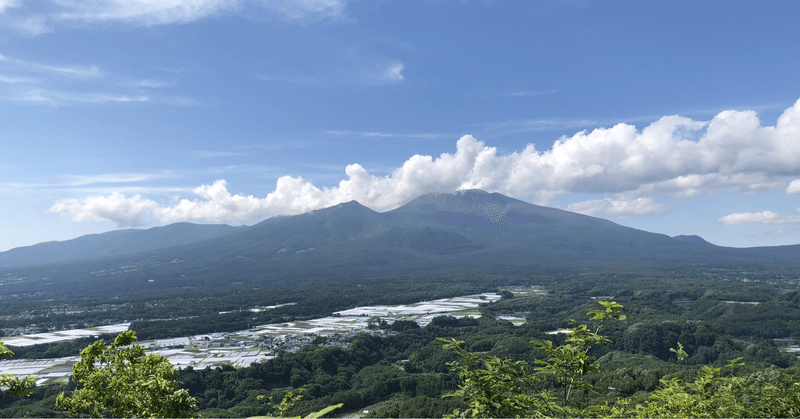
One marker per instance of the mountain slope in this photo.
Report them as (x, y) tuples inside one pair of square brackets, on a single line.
[(515, 231), (465, 232), (694, 239), (444, 231), (112, 243)]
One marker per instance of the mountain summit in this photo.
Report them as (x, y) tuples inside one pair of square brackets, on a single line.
[(435, 230)]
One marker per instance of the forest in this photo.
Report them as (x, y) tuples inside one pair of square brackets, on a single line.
[(725, 330)]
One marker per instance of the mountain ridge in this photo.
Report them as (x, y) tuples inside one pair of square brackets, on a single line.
[(434, 227), (694, 239), (111, 243)]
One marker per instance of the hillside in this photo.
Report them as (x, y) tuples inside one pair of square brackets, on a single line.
[(112, 243), (470, 231)]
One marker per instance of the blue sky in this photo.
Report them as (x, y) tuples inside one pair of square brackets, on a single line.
[(677, 117)]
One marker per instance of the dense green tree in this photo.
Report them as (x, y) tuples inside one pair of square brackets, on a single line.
[(119, 380)]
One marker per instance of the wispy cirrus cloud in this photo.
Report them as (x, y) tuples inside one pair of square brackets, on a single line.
[(309, 81), (34, 82), (305, 10), (521, 126), (142, 12), (49, 15), (674, 155), (74, 72), (378, 134), (79, 180), (17, 80), (153, 84), (514, 93), (354, 70), (279, 145), (51, 97), (389, 72), (216, 154), (526, 93), (34, 25), (97, 182)]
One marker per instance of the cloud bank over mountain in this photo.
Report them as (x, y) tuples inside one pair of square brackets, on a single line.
[(674, 156)]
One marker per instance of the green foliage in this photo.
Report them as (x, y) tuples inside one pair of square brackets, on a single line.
[(119, 380), (499, 387), (410, 368), (709, 395), (680, 353), (14, 385), (289, 400), (719, 392), (569, 364), (40, 403), (495, 387)]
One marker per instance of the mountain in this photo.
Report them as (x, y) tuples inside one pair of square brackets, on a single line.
[(694, 239), (112, 243), (470, 232), (518, 233)]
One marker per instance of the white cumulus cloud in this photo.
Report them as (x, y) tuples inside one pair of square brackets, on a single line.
[(794, 186), (622, 208), (125, 211), (674, 155), (763, 217)]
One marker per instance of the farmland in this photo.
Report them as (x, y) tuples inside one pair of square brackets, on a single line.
[(242, 348)]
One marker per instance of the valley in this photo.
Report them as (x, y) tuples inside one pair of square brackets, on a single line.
[(242, 348), (346, 304)]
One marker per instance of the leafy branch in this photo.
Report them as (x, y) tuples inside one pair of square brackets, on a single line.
[(12, 384), (499, 387)]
